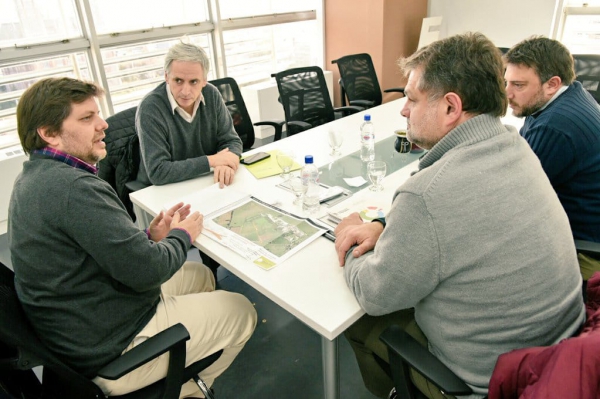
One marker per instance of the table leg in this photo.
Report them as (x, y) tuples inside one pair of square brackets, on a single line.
[(331, 371)]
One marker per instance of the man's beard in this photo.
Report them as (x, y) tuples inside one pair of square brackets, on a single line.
[(534, 106)]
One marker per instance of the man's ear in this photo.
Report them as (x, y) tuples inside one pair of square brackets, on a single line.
[(552, 85), (52, 140), (453, 105)]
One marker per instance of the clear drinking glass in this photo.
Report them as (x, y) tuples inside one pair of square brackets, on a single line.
[(285, 160), (336, 139), (298, 188), (376, 171)]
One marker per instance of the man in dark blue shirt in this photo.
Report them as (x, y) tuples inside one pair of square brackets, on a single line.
[(562, 126)]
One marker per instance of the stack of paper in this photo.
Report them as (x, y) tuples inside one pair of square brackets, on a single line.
[(368, 210)]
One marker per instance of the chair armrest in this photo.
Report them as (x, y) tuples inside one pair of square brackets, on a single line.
[(153, 347), (348, 110), (299, 125), (405, 349), (589, 248), (394, 90), (277, 125), (362, 103)]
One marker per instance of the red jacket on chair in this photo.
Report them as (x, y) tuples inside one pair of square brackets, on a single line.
[(569, 369)]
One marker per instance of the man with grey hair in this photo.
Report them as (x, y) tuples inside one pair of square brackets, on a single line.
[(475, 257), (184, 127)]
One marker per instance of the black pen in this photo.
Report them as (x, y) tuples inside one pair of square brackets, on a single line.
[(329, 235)]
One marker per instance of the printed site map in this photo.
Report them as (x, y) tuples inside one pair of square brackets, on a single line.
[(266, 227)]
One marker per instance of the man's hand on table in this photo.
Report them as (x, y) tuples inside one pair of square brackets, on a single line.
[(353, 231)]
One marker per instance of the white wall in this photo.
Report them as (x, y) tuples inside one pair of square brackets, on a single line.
[(504, 22)]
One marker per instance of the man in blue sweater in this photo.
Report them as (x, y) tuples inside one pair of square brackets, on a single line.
[(562, 126), (184, 126)]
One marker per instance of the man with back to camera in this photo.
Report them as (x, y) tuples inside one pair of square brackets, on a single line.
[(91, 283), (184, 127), (562, 126), (476, 241)]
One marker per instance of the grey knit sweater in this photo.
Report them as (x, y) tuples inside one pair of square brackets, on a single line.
[(88, 278), (479, 244), (174, 150)]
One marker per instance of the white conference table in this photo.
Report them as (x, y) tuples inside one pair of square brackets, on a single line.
[(310, 284)]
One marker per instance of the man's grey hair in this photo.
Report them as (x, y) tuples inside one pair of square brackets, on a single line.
[(187, 52)]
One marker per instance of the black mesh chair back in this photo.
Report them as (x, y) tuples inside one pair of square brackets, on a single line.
[(587, 71), (234, 101), (305, 98), (121, 164), (358, 80)]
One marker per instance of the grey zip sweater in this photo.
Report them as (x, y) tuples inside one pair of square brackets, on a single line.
[(479, 244)]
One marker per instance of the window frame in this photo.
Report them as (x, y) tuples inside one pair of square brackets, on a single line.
[(92, 44), (563, 10)]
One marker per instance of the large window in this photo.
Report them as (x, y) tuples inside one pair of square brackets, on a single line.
[(250, 52), (121, 43), (16, 77), (37, 21), (578, 26), (135, 15)]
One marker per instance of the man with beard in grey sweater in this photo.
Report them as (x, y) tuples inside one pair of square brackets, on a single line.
[(476, 256)]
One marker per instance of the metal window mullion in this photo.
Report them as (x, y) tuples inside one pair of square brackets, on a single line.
[(97, 65), (321, 14), (214, 10), (264, 20), (558, 20), (582, 10), (43, 50), (115, 39)]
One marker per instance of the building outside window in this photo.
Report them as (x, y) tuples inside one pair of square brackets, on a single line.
[(124, 51)]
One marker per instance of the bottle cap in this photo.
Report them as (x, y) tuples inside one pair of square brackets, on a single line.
[(308, 159), (367, 117)]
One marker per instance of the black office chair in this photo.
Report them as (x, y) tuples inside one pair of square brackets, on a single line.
[(21, 350), (358, 81), (120, 167), (234, 101), (587, 71), (305, 98), (407, 354)]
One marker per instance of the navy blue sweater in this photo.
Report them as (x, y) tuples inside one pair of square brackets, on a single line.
[(566, 138)]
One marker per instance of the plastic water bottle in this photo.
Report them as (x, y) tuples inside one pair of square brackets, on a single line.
[(367, 140), (310, 178)]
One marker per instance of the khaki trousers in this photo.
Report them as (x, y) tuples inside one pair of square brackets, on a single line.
[(214, 319), (588, 266), (364, 340)]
